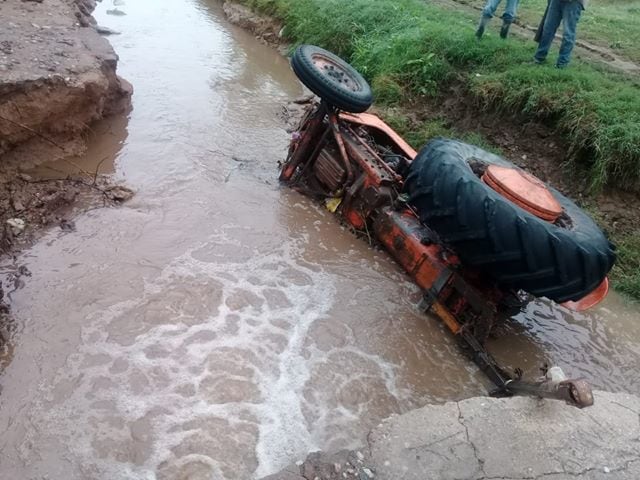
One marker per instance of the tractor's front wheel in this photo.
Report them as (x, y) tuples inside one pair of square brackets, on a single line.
[(332, 79)]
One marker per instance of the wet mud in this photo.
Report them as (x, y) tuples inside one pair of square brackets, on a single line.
[(217, 325)]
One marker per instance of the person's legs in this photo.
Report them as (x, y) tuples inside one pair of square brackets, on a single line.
[(551, 24), (490, 8), (508, 17), (571, 12), (510, 11), (487, 13)]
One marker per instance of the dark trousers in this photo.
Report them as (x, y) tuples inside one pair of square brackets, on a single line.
[(568, 12)]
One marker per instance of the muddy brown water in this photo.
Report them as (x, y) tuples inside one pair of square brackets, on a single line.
[(220, 326)]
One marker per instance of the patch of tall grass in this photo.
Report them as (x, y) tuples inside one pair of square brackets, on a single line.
[(626, 272)]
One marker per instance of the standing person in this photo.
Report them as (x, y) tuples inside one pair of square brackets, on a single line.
[(508, 16), (568, 12)]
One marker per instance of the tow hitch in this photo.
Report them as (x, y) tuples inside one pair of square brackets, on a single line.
[(553, 385)]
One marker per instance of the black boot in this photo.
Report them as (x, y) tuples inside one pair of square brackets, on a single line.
[(504, 30), (484, 21)]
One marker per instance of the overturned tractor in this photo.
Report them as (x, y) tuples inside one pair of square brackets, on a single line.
[(478, 235)]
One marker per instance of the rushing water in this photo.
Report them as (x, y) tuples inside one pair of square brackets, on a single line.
[(217, 325)]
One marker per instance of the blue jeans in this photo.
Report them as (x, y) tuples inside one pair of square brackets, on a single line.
[(567, 11), (509, 14)]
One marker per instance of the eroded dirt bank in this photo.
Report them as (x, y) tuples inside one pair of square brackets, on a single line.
[(57, 77)]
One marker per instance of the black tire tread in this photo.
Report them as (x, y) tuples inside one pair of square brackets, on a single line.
[(512, 246)]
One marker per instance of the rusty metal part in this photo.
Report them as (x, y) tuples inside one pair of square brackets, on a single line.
[(577, 392), (330, 68), (329, 170), (486, 363), (373, 122), (375, 156), (296, 181), (591, 299), (335, 126), (300, 149), (375, 175), (524, 190)]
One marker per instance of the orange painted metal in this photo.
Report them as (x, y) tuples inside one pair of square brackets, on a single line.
[(302, 147), (373, 176), (354, 218), (397, 178), (591, 299), (400, 234), (373, 121), (335, 127), (447, 317), (524, 190)]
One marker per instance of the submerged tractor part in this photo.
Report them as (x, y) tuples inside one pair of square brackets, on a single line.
[(360, 167)]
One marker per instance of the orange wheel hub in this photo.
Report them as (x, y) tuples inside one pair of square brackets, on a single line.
[(524, 190)]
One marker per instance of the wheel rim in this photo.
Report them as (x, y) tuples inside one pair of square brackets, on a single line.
[(336, 72), (525, 190)]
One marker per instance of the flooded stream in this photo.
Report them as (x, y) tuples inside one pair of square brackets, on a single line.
[(220, 326)]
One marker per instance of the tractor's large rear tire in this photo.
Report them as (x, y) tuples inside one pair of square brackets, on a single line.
[(331, 78), (562, 261)]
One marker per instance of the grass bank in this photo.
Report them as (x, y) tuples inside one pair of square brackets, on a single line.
[(412, 49), (626, 272)]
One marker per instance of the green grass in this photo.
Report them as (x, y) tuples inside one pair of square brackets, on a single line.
[(626, 272), (418, 135), (411, 48)]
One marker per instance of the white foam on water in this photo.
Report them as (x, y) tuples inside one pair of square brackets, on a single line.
[(211, 370)]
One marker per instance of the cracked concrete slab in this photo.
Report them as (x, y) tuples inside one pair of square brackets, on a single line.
[(486, 438), (426, 443), (532, 438)]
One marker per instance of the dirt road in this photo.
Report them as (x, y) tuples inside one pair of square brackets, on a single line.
[(216, 325)]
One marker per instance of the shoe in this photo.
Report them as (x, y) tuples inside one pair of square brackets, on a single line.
[(484, 21), (562, 66), (537, 61), (504, 30)]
